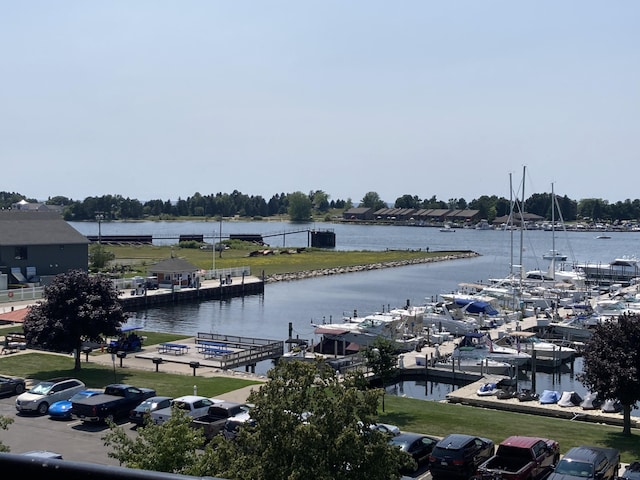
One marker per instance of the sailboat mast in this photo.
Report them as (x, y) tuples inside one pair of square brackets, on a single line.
[(524, 168)]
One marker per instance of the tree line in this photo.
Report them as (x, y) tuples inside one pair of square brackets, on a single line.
[(301, 206)]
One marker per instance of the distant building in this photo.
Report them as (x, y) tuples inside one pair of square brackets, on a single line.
[(358, 213), (37, 245), (25, 206), (175, 271)]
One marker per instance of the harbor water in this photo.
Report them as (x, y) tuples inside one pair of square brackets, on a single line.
[(327, 299)]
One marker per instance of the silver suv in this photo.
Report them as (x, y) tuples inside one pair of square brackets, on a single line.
[(43, 394)]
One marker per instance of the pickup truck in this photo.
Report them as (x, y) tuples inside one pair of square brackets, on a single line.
[(193, 405), (117, 401), (521, 458), (213, 422), (588, 462)]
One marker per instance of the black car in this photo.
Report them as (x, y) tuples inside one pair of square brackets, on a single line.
[(417, 445), (458, 456), (11, 385), (138, 414)]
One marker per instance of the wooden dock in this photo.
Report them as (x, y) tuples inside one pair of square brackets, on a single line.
[(230, 352)]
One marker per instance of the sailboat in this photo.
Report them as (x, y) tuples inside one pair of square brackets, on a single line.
[(571, 278), (553, 254)]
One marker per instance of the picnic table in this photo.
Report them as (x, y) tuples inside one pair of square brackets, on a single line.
[(211, 352), (175, 348)]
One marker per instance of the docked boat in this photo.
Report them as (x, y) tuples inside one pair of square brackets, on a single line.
[(483, 366), (479, 345), (546, 353), (623, 270), (350, 337), (443, 316)]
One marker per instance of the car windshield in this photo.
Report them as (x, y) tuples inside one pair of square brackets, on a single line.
[(42, 388), (80, 396), (576, 469)]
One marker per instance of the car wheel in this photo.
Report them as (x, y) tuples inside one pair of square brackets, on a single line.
[(19, 389), (43, 408)]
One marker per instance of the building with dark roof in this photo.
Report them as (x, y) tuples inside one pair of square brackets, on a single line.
[(35, 246), (175, 271)]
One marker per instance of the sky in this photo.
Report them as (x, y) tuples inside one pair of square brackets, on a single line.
[(154, 99)]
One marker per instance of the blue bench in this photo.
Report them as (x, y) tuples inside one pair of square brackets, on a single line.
[(210, 352), (175, 348), (204, 345)]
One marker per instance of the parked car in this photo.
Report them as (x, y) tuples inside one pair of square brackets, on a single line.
[(144, 409), (115, 402), (11, 385), (62, 410), (193, 405), (386, 428), (234, 424), (417, 445), (43, 454), (40, 396), (631, 471), (458, 456), (588, 462)]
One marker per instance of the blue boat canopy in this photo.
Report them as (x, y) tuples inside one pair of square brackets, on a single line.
[(476, 306)]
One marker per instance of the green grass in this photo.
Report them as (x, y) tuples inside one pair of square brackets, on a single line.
[(140, 257), (42, 366)]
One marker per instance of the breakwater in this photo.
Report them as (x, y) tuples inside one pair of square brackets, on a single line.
[(286, 277)]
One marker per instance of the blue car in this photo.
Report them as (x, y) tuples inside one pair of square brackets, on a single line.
[(62, 410)]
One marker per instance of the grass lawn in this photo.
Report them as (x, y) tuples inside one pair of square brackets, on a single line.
[(138, 258)]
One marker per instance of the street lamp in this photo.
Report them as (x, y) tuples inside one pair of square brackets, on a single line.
[(99, 218)]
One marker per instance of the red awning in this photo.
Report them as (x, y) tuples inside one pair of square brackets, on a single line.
[(14, 316)]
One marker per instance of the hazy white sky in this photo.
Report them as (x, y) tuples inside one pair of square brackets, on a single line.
[(163, 99)]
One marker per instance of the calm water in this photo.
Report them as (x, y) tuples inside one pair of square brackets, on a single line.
[(329, 298)]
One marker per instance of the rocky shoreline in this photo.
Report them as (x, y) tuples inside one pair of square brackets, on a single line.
[(286, 277)]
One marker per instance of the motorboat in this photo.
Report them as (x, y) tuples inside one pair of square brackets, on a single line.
[(622, 270), (555, 255), (447, 229), (354, 335), (443, 316), (479, 345), (483, 366), (545, 352)]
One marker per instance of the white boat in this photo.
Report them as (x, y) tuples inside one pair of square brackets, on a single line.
[(623, 270), (483, 225), (486, 366), (447, 229), (441, 316), (555, 255), (545, 352), (478, 345), (356, 334)]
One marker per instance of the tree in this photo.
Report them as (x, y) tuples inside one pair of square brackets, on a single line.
[(382, 359), (76, 307), (4, 425), (171, 447), (310, 423), (99, 256), (372, 200), (612, 363), (299, 207), (307, 422)]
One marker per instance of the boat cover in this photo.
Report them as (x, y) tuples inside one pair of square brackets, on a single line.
[(476, 306), (569, 399), (549, 397), (611, 406), (591, 402)]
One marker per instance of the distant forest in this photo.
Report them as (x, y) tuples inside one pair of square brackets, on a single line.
[(117, 207)]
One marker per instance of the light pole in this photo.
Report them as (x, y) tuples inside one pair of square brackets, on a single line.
[(377, 369), (99, 218)]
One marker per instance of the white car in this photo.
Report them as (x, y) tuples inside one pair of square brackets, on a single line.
[(42, 395), (194, 405)]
